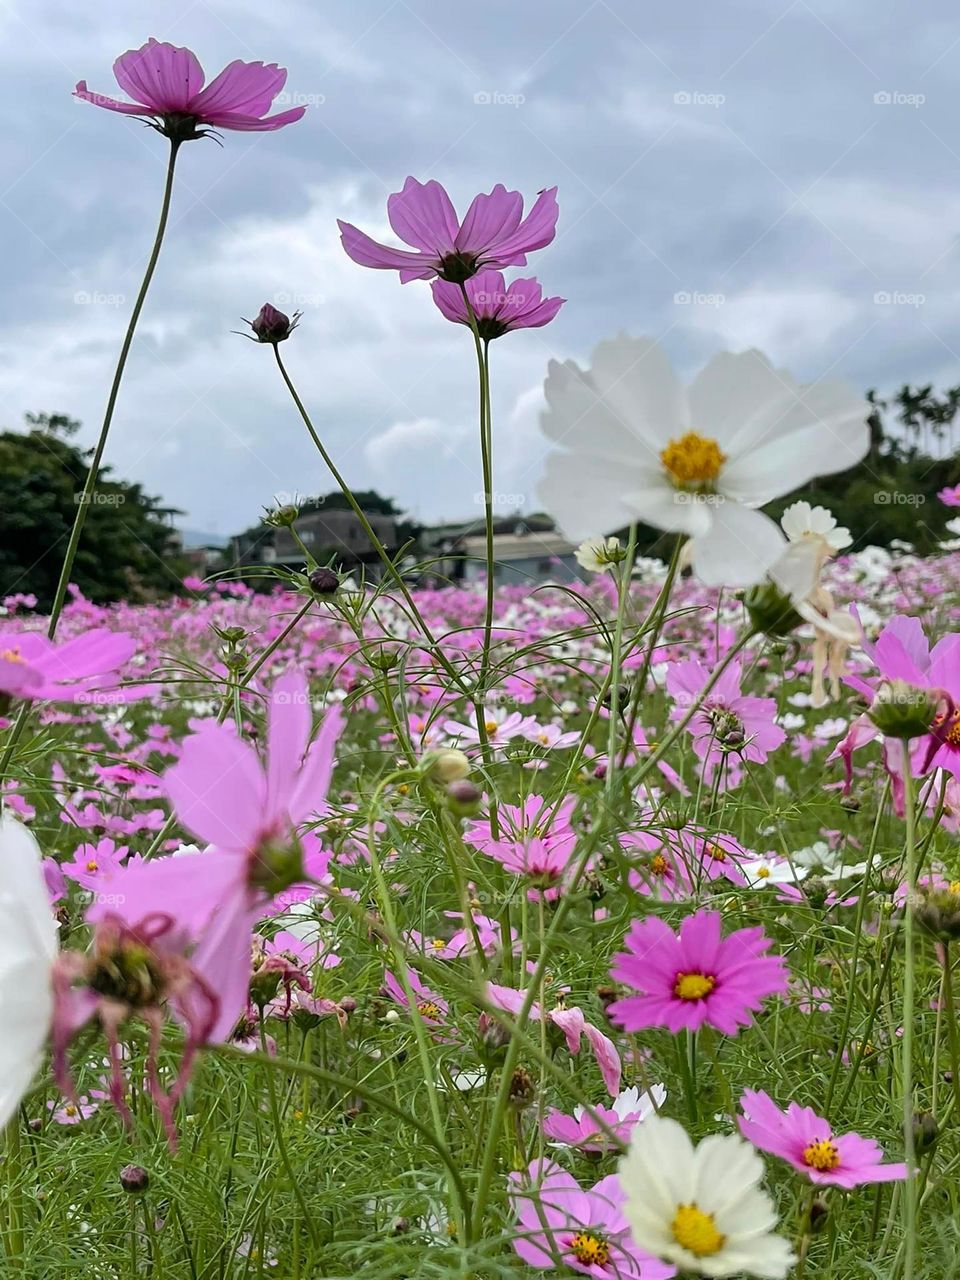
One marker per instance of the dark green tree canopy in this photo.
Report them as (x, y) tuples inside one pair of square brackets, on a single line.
[(128, 548)]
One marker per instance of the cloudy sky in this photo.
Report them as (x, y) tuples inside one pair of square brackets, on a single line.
[(753, 173)]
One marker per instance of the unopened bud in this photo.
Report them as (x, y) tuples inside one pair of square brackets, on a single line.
[(819, 1216), (522, 1089), (850, 803), (134, 1179), (771, 610), (446, 766), (938, 910), (463, 798), (272, 325), (325, 582), (926, 1131)]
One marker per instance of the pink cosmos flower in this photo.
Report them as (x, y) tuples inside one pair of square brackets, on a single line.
[(727, 722), (433, 1009), (535, 842), (694, 977), (574, 1026), (581, 1130), (498, 308), (31, 666), (493, 234), (249, 816), (561, 1223), (93, 864), (805, 1140), (500, 726), (67, 1112), (950, 497), (166, 85)]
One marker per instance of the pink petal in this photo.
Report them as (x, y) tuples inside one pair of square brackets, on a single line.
[(423, 216), (368, 253), (241, 88), (218, 789), (490, 219), (159, 74)]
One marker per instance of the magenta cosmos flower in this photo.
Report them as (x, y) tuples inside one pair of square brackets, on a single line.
[(727, 721), (694, 977), (249, 816), (493, 234), (562, 1224), (166, 85), (950, 497), (31, 666), (805, 1140), (498, 307)]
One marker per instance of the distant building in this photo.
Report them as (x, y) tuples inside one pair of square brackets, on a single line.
[(522, 559), (327, 533)]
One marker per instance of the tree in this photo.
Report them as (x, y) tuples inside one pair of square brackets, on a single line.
[(127, 549)]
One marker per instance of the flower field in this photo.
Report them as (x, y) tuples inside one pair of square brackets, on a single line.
[(351, 926)]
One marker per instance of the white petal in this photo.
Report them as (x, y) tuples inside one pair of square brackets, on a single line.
[(734, 396), (741, 548), (636, 379)]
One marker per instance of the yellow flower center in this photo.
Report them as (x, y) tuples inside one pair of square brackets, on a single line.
[(12, 655), (590, 1249), (715, 852), (693, 461), (696, 1231), (952, 736), (92, 866), (430, 1009), (491, 727), (659, 865), (955, 886), (693, 986), (763, 873), (822, 1155)]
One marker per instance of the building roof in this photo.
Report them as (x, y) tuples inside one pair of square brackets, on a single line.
[(527, 546)]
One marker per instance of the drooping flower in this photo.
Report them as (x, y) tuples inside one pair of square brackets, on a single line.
[(79, 670), (497, 307), (582, 1130), (701, 1207), (132, 970), (694, 977), (561, 1222), (635, 444), (493, 234), (806, 1141), (167, 88), (249, 815), (574, 1026), (28, 947)]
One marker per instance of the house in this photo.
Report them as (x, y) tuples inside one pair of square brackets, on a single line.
[(524, 557)]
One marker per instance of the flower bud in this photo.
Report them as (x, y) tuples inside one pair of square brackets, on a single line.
[(446, 766), (903, 710), (926, 1131), (272, 325), (324, 581), (850, 803), (134, 1179), (463, 798), (522, 1089), (284, 517), (819, 1215)]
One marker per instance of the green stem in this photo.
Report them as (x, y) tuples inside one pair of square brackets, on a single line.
[(910, 1186), (277, 1121)]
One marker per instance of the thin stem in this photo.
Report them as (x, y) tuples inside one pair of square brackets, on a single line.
[(910, 1187), (277, 1121)]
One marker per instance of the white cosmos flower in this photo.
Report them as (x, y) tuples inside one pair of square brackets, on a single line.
[(636, 444), (597, 554), (801, 521), (28, 946), (763, 871), (701, 1207)]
